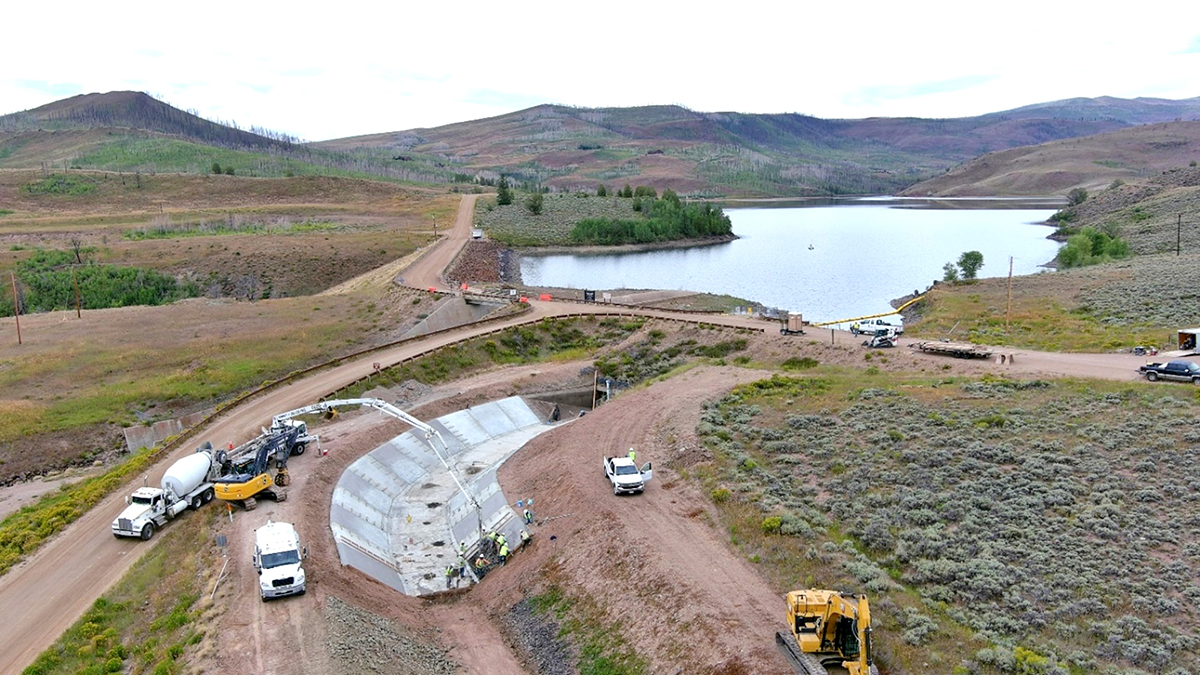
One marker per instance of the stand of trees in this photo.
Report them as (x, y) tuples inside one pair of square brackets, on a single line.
[(667, 220), (46, 282)]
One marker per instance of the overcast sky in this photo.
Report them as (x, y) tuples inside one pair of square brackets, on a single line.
[(336, 69)]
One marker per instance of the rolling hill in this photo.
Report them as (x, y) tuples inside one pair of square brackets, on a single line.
[(780, 154), (568, 148), (1131, 154)]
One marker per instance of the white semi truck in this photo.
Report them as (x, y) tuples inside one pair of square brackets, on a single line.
[(189, 482)]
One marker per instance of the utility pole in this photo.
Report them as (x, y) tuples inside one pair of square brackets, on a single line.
[(75, 281), (1008, 308), (16, 305), (1178, 230)]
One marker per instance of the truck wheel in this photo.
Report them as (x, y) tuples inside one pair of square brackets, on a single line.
[(207, 496), (1196, 380), (197, 502), (299, 448), (147, 531), (1151, 375), (615, 491)]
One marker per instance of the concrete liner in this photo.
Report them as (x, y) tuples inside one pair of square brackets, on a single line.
[(397, 514)]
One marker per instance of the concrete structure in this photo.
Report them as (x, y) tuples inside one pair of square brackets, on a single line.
[(397, 514)]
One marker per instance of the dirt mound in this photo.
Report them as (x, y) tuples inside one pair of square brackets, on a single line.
[(653, 563)]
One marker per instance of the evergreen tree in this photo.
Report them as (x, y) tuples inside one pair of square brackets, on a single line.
[(504, 195)]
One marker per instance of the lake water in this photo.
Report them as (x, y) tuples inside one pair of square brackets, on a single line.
[(829, 261)]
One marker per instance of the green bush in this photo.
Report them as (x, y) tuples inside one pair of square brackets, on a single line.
[(533, 203), (50, 279), (799, 363), (1091, 246), (772, 524), (721, 495)]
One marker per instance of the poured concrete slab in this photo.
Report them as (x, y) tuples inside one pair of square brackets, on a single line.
[(399, 516)]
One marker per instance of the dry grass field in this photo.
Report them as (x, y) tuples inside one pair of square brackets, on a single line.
[(74, 382)]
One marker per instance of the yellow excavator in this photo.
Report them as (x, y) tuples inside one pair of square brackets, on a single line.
[(246, 470), (830, 633)]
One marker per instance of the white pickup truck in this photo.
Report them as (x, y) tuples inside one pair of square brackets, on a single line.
[(625, 476)]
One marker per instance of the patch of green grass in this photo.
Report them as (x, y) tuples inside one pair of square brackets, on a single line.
[(60, 184), (7, 212), (148, 619), (602, 650), (1035, 322), (545, 340), (221, 226)]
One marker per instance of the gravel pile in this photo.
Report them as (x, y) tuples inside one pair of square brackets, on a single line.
[(538, 642), (360, 642)]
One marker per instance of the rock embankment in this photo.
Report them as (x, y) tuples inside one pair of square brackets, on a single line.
[(360, 642), (485, 262)]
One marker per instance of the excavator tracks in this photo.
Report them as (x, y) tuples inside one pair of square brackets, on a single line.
[(804, 664), (807, 664)]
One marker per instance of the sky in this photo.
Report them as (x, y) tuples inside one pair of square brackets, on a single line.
[(333, 70)]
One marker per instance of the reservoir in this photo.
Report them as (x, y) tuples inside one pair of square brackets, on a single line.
[(828, 260)]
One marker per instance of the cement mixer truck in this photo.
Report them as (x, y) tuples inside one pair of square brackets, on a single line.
[(189, 482)]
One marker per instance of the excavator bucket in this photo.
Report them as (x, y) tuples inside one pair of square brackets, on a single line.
[(329, 414)]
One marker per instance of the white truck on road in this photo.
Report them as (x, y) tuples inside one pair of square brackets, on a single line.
[(189, 482), (278, 557), (625, 476)]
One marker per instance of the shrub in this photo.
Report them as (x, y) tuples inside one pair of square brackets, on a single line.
[(1077, 196), (1091, 246), (772, 524), (799, 363), (533, 203), (720, 495)]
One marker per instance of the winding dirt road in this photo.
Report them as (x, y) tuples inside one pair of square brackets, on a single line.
[(43, 595)]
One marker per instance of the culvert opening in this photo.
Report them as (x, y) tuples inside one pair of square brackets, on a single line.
[(433, 505)]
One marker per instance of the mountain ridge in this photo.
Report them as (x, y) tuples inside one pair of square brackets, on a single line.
[(667, 146)]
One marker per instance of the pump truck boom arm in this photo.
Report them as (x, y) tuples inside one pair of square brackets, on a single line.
[(388, 409)]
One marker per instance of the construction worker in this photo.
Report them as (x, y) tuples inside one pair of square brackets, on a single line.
[(480, 563), (451, 574), (501, 541), (525, 537), (632, 455), (461, 565), (503, 553), (528, 516)]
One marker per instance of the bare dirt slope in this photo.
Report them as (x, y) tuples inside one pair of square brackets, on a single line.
[(662, 572)]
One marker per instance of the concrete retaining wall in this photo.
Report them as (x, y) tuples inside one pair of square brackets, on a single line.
[(397, 513)]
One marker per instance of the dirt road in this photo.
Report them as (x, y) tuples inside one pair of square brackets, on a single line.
[(45, 594), (427, 271)]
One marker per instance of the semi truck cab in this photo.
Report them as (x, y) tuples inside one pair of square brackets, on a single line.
[(278, 557)]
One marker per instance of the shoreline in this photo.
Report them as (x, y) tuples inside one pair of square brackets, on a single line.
[(511, 262)]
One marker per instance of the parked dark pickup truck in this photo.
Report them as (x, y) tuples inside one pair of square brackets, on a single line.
[(1186, 371)]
